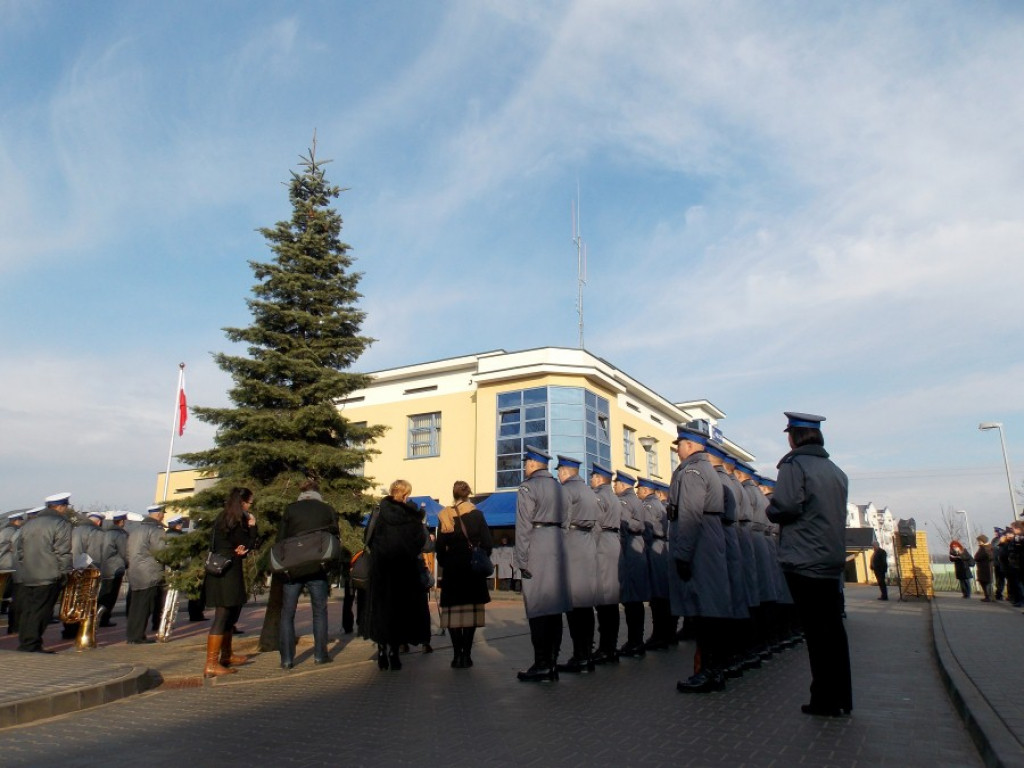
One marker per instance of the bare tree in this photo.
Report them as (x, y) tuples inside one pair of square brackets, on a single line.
[(951, 526)]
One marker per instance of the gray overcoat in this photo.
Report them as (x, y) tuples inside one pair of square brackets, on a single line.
[(144, 570), (43, 549), (634, 579), (656, 536), (609, 546), (696, 537), (581, 532), (733, 552), (540, 545)]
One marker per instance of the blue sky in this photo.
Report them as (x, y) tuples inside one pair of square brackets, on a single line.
[(786, 206)]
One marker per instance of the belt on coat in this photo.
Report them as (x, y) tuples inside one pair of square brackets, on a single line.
[(660, 538), (547, 525), (635, 533), (578, 527), (715, 514), (610, 530)]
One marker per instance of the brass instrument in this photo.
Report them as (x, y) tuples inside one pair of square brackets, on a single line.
[(78, 606), (168, 615)]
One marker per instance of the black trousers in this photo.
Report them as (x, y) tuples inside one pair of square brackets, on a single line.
[(882, 586), (109, 590), (139, 612), (546, 635), (662, 629), (34, 614), (581, 630), (608, 627), (819, 607), (634, 622)]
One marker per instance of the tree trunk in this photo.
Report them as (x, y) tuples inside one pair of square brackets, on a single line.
[(270, 634)]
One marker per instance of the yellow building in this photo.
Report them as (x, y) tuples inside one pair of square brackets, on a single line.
[(468, 418), (181, 484)]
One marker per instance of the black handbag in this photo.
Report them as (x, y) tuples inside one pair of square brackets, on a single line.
[(305, 554), (479, 561), (216, 564), (360, 573)]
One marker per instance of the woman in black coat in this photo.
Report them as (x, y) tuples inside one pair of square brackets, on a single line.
[(234, 534), (983, 557), (396, 611), (463, 592), (962, 562)]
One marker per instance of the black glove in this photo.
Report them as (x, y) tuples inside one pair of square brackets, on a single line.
[(526, 574), (684, 569)]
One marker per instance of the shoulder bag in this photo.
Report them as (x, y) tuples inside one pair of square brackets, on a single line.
[(361, 562), (479, 561), (216, 564), (305, 554)]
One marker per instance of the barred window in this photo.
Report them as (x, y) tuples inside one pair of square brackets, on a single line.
[(424, 435), (629, 446)]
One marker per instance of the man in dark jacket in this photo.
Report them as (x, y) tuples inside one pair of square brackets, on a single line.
[(44, 561), (309, 513), (809, 504), (880, 567)]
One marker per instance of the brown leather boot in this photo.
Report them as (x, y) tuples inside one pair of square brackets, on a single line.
[(214, 668), (227, 658)]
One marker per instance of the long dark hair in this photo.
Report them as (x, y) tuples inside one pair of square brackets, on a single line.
[(233, 513), (806, 436)]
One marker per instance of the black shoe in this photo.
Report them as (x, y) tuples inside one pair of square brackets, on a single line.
[(324, 660), (197, 618), (287, 666), (428, 648), (467, 660), (144, 641), (536, 674), (703, 682), (752, 662), (394, 663), (576, 666), (382, 659), (458, 662), (734, 670), (605, 657), (108, 624), (820, 711), (656, 645), (632, 651), (66, 636)]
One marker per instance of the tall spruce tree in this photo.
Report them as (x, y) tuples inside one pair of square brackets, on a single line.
[(285, 423)]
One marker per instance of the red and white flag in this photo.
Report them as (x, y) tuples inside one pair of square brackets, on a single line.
[(182, 406)]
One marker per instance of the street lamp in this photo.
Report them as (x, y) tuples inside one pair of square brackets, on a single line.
[(648, 445), (986, 425)]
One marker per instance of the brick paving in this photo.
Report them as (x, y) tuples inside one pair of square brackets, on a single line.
[(428, 714)]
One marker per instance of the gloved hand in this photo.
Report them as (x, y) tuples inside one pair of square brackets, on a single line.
[(526, 574), (684, 569)]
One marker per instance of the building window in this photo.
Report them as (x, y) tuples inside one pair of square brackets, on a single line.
[(675, 460), (652, 460), (357, 444), (559, 420), (424, 435), (629, 446)]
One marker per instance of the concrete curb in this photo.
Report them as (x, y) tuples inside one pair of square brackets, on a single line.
[(996, 743), (135, 680)]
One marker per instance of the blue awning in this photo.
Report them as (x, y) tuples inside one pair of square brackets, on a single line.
[(430, 505), (499, 509)]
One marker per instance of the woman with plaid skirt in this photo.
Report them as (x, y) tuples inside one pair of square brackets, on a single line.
[(463, 592)]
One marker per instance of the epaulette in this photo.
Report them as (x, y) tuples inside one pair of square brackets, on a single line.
[(523, 489)]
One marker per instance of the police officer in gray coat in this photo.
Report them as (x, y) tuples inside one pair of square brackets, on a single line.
[(540, 556), (44, 561), (634, 576), (113, 566), (581, 513), (656, 539), (609, 552), (809, 504), (699, 580), (145, 573)]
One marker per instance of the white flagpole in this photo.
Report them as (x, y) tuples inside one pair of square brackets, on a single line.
[(174, 428)]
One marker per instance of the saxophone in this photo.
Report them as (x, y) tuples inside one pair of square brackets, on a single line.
[(78, 606), (168, 615)]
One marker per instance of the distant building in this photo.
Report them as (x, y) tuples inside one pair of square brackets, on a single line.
[(469, 418), (880, 521)]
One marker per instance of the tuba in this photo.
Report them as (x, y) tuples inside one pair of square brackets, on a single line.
[(78, 606)]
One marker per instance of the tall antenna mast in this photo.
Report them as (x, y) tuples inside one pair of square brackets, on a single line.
[(581, 260)]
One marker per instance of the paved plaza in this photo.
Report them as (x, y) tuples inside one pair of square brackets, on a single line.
[(350, 713)]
